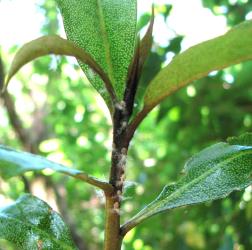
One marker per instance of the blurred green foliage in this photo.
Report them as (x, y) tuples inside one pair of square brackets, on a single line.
[(68, 122)]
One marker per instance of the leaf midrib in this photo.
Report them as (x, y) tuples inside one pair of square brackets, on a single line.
[(106, 41), (56, 241)]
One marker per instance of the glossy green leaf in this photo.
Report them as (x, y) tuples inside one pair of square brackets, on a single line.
[(30, 223), (198, 61), (105, 29), (13, 163), (52, 44), (211, 174)]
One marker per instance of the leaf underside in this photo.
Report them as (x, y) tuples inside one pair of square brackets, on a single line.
[(211, 174), (52, 44), (106, 29), (198, 61), (30, 223)]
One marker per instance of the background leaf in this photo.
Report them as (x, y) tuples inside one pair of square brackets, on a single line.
[(30, 223), (245, 140), (106, 29), (211, 174), (200, 60)]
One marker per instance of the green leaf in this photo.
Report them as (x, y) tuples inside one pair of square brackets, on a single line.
[(53, 44), (30, 223), (13, 163), (211, 174), (198, 61), (106, 29)]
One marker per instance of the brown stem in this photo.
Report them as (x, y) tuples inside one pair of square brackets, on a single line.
[(113, 240), (122, 135), (105, 186)]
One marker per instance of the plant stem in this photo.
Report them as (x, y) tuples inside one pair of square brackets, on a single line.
[(105, 186), (113, 240), (121, 139)]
